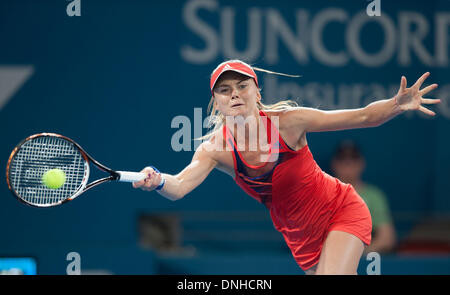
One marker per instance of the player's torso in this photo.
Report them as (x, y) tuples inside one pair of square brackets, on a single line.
[(294, 137)]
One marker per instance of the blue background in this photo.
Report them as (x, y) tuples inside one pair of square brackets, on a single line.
[(113, 79)]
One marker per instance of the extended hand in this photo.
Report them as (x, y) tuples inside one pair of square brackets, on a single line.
[(152, 180), (411, 98)]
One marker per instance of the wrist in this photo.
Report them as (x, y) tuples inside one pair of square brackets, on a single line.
[(163, 180), (397, 107), (161, 184)]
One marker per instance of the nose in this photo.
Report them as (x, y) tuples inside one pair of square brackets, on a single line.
[(234, 93)]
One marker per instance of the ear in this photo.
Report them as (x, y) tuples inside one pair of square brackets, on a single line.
[(258, 95), (215, 105)]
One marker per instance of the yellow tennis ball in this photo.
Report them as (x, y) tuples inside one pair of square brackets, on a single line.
[(54, 178)]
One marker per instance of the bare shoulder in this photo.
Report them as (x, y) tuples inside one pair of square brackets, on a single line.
[(292, 117), (291, 125), (208, 148), (215, 149)]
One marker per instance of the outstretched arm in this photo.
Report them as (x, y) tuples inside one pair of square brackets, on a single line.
[(177, 186), (372, 115)]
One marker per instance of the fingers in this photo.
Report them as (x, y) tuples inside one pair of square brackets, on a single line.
[(403, 83), (427, 89), (417, 94), (150, 182), (420, 81), (141, 183), (430, 101), (426, 111)]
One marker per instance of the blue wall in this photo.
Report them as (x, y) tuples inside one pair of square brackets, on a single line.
[(114, 78)]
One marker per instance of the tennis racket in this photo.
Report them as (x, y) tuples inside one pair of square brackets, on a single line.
[(41, 152)]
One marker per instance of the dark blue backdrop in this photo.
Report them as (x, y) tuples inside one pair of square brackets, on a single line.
[(114, 77)]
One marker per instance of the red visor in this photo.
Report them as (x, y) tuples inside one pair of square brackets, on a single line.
[(235, 67)]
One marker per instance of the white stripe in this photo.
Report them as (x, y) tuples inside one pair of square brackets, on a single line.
[(11, 79), (234, 70)]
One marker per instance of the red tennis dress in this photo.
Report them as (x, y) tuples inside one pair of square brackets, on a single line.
[(305, 203)]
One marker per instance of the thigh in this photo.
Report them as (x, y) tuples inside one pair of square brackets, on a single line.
[(340, 254)]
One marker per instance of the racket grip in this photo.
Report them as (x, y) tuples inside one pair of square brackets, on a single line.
[(126, 176)]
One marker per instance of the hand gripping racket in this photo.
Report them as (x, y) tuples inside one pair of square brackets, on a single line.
[(42, 152)]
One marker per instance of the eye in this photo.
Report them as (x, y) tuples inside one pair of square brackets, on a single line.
[(242, 86), (223, 90)]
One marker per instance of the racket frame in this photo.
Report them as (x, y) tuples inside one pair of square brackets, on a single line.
[(84, 187)]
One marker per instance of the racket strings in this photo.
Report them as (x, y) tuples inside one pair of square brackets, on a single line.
[(37, 156)]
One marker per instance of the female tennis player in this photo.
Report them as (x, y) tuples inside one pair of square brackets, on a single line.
[(324, 221)]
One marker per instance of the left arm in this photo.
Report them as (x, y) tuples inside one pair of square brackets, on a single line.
[(372, 115)]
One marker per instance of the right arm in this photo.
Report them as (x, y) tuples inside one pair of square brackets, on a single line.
[(179, 185)]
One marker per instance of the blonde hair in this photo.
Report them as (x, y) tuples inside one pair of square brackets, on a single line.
[(217, 119)]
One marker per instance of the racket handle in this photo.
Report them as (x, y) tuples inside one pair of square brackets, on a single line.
[(126, 176)]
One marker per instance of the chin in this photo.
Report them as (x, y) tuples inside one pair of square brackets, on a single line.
[(236, 113)]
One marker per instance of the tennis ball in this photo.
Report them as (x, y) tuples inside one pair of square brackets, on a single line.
[(54, 178)]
